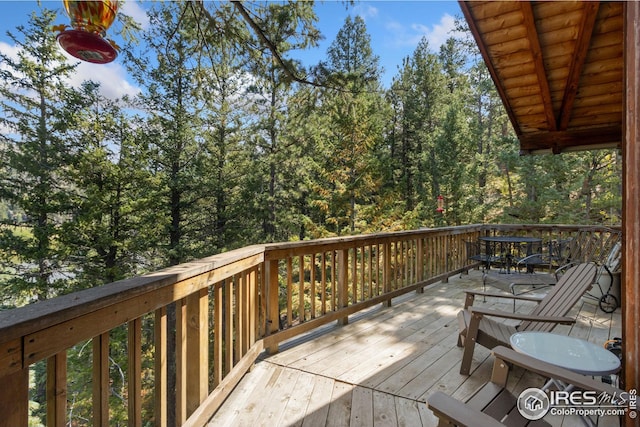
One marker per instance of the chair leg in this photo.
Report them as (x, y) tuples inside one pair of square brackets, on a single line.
[(467, 356), (469, 344)]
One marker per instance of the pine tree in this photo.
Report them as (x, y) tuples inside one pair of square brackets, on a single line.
[(355, 115), (39, 109)]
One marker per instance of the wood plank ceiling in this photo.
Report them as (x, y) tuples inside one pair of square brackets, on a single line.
[(558, 67)]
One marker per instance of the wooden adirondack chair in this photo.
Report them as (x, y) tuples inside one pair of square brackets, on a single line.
[(477, 325), (493, 405)]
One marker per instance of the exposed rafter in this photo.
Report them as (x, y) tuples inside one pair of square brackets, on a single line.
[(577, 63), (536, 50), (558, 68)]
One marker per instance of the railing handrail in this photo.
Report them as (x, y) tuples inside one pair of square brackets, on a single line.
[(18, 321), (30, 318), (349, 272)]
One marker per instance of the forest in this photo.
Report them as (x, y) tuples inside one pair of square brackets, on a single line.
[(229, 145)]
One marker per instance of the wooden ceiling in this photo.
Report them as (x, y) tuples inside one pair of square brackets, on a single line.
[(558, 67)]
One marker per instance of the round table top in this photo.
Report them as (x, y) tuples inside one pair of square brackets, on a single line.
[(511, 239), (575, 354)]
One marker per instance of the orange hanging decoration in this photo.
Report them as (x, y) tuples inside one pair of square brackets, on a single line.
[(90, 21)]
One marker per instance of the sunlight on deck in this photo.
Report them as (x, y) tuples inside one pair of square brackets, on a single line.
[(380, 369)]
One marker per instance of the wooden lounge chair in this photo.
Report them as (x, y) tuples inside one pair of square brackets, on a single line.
[(476, 327), (494, 405)]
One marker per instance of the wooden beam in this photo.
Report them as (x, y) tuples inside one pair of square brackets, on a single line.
[(538, 61), (631, 201), (559, 141), (583, 42), (466, 10)]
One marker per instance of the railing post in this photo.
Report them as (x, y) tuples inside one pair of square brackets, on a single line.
[(419, 263), (343, 283), (197, 349), (386, 271), (447, 241), (14, 399), (57, 390), (273, 301)]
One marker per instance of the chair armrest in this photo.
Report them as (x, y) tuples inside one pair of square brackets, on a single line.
[(450, 409), (507, 296), (545, 258), (468, 301), (548, 370), (521, 316)]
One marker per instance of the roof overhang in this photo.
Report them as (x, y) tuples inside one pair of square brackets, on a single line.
[(558, 67)]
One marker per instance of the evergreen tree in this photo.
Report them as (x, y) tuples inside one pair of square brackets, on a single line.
[(356, 115), (279, 155), (173, 128), (106, 234), (39, 109)]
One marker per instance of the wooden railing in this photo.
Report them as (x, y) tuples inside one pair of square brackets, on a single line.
[(228, 309)]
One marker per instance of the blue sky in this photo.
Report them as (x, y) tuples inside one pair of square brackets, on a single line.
[(395, 28)]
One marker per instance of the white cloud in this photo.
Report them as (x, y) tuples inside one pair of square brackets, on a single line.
[(365, 11), (411, 35), (135, 10), (112, 77)]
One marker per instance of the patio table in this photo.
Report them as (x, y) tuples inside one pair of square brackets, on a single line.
[(507, 244)]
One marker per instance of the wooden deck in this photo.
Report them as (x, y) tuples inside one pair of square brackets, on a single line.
[(379, 369)]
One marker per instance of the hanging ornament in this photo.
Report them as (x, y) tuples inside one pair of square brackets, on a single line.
[(90, 21), (440, 207)]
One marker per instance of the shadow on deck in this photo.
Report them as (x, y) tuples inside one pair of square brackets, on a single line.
[(381, 367)]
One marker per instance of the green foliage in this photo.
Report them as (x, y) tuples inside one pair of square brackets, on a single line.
[(222, 149)]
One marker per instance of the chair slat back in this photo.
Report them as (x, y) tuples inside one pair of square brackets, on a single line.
[(563, 296)]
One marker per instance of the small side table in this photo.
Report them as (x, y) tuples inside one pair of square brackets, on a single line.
[(571, 353)]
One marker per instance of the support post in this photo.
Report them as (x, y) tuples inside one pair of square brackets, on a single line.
[(630, 279), (14, 399)]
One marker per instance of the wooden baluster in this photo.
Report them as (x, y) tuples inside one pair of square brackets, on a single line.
[(312, 290), (301, 314), (181, 362), (218, 339), (228, 325), (238, 319), (419, 264), (134, 379), (273, 308), (289, 291), (101, 380), (197, 356), (386, 272), (57, 390), (343, 283), (160, 361)]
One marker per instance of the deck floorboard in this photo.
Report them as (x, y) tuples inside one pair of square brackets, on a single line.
[(381, 367)]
